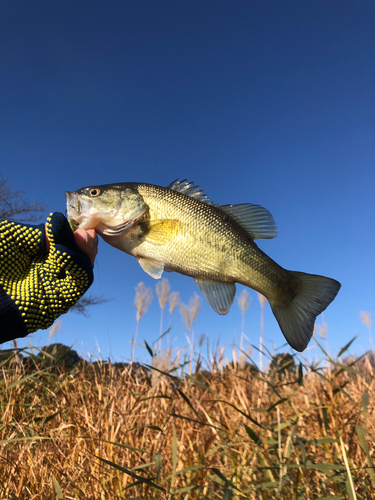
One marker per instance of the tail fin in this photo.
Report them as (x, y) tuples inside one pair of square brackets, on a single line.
[(297, 320)]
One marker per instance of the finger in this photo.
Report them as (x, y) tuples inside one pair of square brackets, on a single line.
[(87, 242), (47, 242)]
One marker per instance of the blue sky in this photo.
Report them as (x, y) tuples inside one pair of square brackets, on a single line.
[(265, 102)]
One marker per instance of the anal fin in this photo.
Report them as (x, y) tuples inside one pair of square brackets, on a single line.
[(219, 295)]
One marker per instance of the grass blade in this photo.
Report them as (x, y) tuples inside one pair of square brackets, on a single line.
[(174, 457), (158, 458), (332, 498), (346, 347), (201, 384), (223, 478), (57, 487), (181, 393), (26, 438), (365, 402), (350, 485), (228, 495), (176, 379), (197, 421), (361, 434), (148, 348), (240, 411), (130, 473), (300, 374), (257, 440)]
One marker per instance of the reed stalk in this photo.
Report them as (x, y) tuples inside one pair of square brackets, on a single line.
[(143, 298), (262, 300), (162, 292)]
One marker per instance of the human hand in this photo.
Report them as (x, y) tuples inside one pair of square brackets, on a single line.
[(44, 270), (86, 241)]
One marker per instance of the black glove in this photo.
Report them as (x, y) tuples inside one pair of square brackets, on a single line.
[(37, 286)]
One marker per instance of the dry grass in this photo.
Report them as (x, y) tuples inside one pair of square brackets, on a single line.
[(102, 432), (162, 291), (143, 298)]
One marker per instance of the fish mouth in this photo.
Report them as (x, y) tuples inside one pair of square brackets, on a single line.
[(73, 207), (82, 213), (75, 210)]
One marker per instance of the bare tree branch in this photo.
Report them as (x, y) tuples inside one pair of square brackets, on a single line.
[(81, 306), (14, 206)]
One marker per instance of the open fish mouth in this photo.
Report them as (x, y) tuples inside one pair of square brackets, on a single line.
[(73, 206), (73, 225), (76, 213)]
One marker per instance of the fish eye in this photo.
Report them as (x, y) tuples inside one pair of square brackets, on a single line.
[(94, 192)]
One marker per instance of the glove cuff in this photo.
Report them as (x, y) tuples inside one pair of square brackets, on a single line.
[(12, 324)]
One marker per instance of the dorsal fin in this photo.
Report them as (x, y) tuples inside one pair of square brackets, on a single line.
[(189, 189), (256, 220)]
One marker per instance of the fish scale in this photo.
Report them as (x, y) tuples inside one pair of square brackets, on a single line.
[(218, 237), (178, 228)]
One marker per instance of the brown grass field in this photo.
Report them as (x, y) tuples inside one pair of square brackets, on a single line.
[(104, 431), (192, 429)]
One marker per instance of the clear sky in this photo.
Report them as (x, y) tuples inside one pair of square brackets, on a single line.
[(267, 102)]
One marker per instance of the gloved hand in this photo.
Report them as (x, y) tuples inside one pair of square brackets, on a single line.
[(40, 278)]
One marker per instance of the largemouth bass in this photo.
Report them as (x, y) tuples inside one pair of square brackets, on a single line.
[(179, 229)]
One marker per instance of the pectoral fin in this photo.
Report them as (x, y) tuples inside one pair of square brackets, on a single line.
[(219, 295), (151, 267), (162, 231)]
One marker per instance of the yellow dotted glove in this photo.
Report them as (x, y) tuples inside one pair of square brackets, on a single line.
[(37, 286)]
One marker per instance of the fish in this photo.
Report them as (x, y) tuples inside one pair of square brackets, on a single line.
[(178, 228)]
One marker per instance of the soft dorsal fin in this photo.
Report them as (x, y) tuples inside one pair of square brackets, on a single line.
[(189, 189), (256, 220)]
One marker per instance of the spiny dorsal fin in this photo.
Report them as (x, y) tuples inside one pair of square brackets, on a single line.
[(189, 189), (256, 220)]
